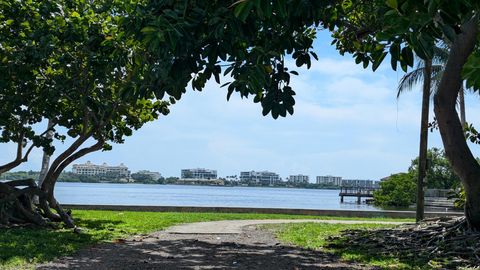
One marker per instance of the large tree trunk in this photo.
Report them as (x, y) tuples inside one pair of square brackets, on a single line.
[(58, 165), (456, 149), (422, 164), (16, 203)]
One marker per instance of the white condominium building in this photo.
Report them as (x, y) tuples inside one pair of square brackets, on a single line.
[(263, 177), (199, 173), (299, 178), (329, 180), (93, 169)]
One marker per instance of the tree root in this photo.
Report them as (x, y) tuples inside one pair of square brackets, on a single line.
[(448, 240), (17, 207)]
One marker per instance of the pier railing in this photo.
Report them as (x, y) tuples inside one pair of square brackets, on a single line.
[(359, 192)]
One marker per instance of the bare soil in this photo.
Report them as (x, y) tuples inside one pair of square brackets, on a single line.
[(251, 249)]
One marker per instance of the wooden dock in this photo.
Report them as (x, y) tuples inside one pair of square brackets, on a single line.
[(359, 192)]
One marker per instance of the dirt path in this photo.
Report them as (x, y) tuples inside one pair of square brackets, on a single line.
[(193, 246)]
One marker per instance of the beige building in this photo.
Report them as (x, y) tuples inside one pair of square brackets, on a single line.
[(94, 169)]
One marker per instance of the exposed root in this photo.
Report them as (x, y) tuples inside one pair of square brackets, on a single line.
[(445, 240), (17, 207)]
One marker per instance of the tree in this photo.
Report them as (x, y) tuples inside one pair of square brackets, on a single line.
[(67, 62), (374, 29), (440, 174), (397, 190), (143, 178), (159, 47), (101, 69), (426, 72)]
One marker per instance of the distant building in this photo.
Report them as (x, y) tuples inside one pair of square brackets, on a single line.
[(299, 178), (93, 169), (359, 183), (198, 173), (329, 180), (154, 175), (259, 178)]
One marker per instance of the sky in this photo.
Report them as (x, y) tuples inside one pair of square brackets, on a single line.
[(347, 122)]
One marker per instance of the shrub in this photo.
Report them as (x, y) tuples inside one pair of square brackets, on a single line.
[(397, 190)]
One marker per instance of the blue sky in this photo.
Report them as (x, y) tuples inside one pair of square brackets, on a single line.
[(347, 122)]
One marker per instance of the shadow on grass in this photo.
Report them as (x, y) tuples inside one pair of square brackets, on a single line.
[(33, 244)]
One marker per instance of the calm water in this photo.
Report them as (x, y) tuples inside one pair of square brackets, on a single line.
[(177, 195)]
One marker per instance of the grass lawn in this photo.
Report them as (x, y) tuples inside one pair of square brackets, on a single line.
[(315, 236), (23, 247)]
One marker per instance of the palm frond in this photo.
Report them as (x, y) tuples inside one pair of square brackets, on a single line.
[(437, 72), (409, 80), (440, 54)]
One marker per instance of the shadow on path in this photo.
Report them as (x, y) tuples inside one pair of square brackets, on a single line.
[(252, 249)]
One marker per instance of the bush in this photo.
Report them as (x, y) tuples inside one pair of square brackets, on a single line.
[(397, 190)]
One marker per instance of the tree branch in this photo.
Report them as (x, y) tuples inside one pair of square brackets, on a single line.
[(70, 150), (19, 159), (80, 153)]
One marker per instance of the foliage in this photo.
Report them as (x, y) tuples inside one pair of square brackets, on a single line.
[(205, 39), (142, 177), (22, 246), (416, 76), (440, 174), (396, 190), (69, 62), (458, 195)]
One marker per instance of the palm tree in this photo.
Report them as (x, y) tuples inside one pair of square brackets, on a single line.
[(413, 78), (429, 72)]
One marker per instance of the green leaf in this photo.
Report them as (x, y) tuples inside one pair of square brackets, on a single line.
[(407, 56), (392, 3), (242, 9), (378, 61)]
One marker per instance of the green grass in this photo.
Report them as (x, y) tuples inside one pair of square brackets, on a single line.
[(315, 236), (23, 247)]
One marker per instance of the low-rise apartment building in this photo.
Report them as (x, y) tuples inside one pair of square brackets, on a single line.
[(198, 173), (299, 178), (259, 178)]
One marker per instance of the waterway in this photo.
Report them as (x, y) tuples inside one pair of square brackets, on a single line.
[(187, 195)]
